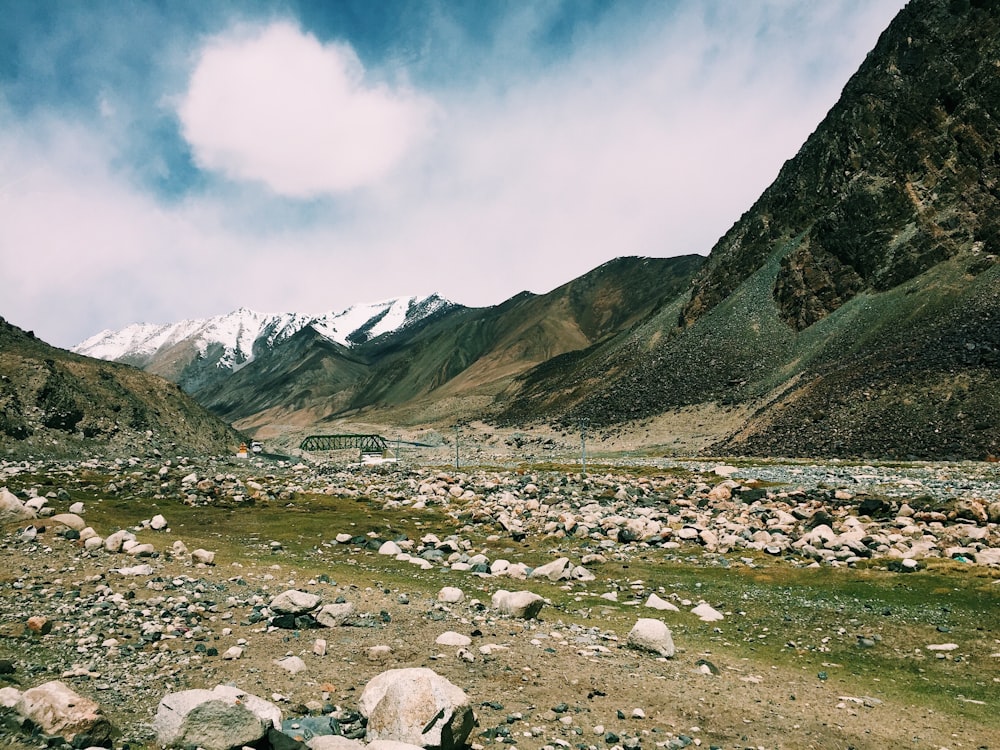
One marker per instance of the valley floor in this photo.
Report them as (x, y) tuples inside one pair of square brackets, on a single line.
[(832, 650)]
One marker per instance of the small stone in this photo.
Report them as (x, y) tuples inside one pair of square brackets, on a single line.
[(655, 602), (203, 557), (450, 595), (520, 604), (39, 625), (451, 638), (706, 613), (292, 664)]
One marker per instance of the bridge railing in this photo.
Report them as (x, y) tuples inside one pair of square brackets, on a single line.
[(365, 443)]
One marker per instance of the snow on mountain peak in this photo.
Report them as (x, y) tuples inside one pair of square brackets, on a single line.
[(236, 334)]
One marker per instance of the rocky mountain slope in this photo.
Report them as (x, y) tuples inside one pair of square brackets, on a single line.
[(54, 402), (853, 309), (449, 365)]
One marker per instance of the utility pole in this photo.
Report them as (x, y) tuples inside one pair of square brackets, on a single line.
[(583, 446)]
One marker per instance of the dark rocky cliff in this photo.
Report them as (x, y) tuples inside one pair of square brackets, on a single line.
[(901, 174)]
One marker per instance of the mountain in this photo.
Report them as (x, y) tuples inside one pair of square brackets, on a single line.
[(197, 353), (853, 310), (451, 365), (54, 402)]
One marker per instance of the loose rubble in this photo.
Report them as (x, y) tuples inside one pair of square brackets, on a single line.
[(225, 644)]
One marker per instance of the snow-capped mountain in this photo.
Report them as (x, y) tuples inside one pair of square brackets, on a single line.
[(229, 342)]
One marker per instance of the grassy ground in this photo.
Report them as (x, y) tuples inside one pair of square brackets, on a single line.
[(794, 639)]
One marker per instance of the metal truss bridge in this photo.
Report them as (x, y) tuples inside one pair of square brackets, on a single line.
[(366, 443)]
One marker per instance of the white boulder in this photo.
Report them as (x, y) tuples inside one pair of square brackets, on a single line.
[(524, 605), (417, 706), (651, 635)]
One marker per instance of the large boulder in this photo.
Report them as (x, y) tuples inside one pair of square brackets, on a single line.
[(334, 742), (417, 706), (293, 602), (70, 520), (12, 509), (334, 615), (557, 570), (58, 710), (651, 635), (115, 541), (216, 719), (521, 604)]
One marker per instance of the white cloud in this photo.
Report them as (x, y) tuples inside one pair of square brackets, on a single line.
[(278, 107), (652, 148)]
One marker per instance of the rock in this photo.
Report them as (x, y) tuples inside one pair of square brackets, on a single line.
[(390, 745), (319, 647), (58, 710), (389, 548), (521, 604), (136, 570), (450, 595), (203, 557), (142, 550), (655, 602), (9, 696), (158, 523), (39, 625), (557, 570), (233, 652), (993, 511), (216, 719), (334, 615), (706, 613), (451, 638), (334, 742), (988, 556), (417, 706), (12, 509), (292, 664), (651, 635), (76, 508), (114, 542), (380, 653), (293, 602), (70, 520), (93, 543)]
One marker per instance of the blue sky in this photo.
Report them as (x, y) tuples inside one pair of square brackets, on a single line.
[(168, 160)]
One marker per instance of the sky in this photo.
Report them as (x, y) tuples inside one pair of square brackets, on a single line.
[(171, 159)]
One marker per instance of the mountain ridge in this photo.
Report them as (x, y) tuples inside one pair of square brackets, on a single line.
[(55, 402)]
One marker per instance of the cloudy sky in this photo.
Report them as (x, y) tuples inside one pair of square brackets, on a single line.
[(170, 160)]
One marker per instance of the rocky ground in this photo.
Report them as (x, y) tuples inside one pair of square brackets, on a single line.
[(809, 606)]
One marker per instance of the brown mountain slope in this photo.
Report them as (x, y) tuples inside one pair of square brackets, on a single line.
[(55, 402), (450, 366), (853, 309)]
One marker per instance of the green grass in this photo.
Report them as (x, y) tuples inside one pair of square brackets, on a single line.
[(778, 614)]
